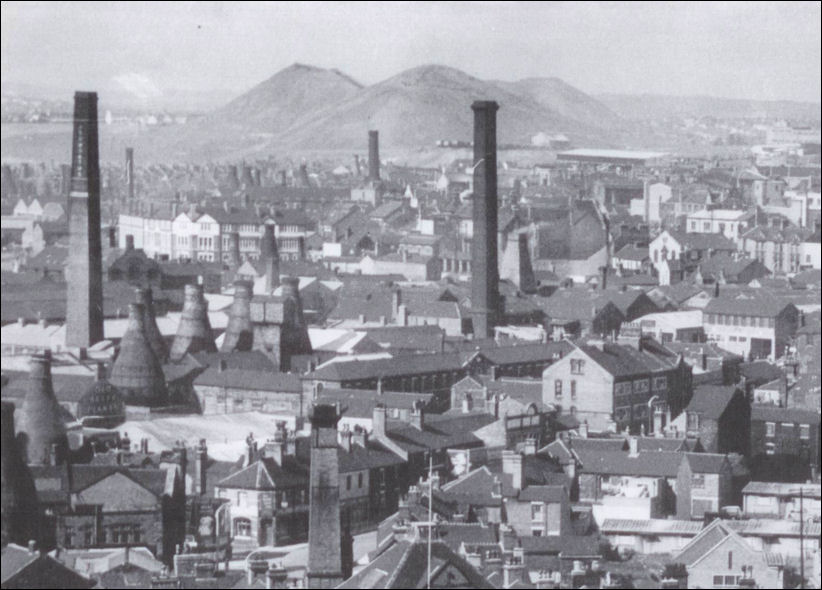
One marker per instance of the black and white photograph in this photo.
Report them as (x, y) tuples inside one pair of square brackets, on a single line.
[(375, 295)]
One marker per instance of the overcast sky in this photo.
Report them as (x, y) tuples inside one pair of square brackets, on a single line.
[(735, 49)]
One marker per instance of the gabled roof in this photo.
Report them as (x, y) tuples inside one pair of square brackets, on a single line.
[(707, 462), (251, 380), (707, 539), (403, 565)]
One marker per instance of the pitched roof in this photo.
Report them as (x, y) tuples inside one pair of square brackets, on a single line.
[(711, 400), (403, 565), (645, 463), (768, 413), (251, 380), (707, 462)]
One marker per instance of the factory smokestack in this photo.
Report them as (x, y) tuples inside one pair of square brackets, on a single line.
[(130, 172), (325, 532), (270, 257), (234, 250), (373, 155), (84, 305), (484, 269)]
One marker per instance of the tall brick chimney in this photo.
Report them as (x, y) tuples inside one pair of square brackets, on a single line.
[(84, 304), (373, 155), (130, 173), (234, 250), (484, 269), (325, 534), (270, 257)]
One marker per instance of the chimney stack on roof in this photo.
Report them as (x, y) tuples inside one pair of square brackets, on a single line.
[(84, 272), (194, 332), (512, 465), (485, 271), (137, 371)]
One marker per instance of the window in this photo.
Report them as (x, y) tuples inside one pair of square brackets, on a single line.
[(726, 581), (770, 428), (536, 510), (347, 482), (730, 560), (242, 498), (805, 431), (770, 448), (786, 428), (577, 366), (558, 389), (698, 481), (693, 421), (573, 390), (242, 527), (359, 480)]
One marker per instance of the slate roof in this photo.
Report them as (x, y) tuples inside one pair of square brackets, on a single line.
[(768, 413), (644, 464), (705, 541), (707, 462), (403, 565), (763, 306), (265, 474), (361, 402), (772, 488), (403, 365), (251, 380), (38, 570), (711, 400), (439, 432), (696, 241), (623, 361)]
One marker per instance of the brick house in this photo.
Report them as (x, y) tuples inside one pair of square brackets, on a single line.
[(720, 417), (784, 443), (620, 382), (112, 506)]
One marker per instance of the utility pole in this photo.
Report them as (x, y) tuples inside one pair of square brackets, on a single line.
[(430, 509)]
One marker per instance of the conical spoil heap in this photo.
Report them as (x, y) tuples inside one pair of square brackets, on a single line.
[(155, 339), (194, 332), (137, 373), (41, 428), (239, 334)]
